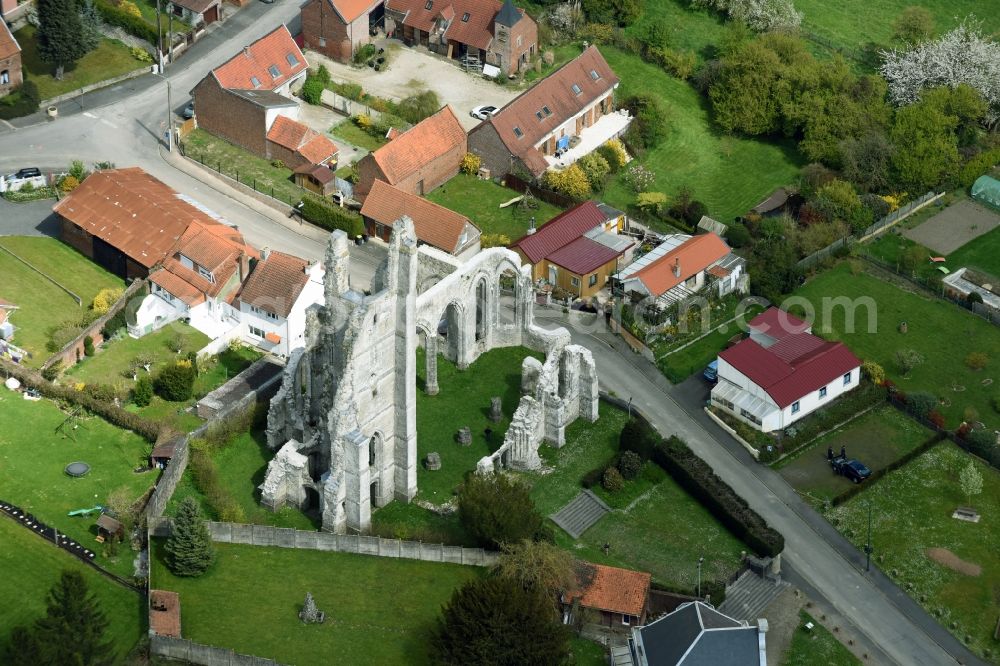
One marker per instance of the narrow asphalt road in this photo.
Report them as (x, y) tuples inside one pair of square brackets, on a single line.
[(813, 549)]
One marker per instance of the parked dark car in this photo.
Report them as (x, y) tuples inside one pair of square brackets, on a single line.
[(850, 468), (188, 111), (27, 172)]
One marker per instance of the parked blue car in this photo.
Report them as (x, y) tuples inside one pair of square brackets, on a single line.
[(711, 372)]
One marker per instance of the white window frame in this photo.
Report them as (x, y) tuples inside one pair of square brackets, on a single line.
[(592, 280), (575, 281), (822, 392), (205, 273), (848, 378), (796, 407), (256, 332), (626, 620)]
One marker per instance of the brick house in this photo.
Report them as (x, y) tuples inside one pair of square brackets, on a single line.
[(434, 225), (417, 160), (619, 597), (578, 250), (239, 100), (494, 32), (565, 116), (197, 12), (336, 28), (297, 145), (10, 60)]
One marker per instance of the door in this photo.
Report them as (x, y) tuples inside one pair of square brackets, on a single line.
[(553, 274)]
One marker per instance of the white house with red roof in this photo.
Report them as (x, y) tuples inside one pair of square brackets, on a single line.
[(782, 372)]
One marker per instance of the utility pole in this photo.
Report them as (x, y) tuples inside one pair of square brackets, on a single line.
[(868, 545), (159, 36), (170, 115), (700, 560)]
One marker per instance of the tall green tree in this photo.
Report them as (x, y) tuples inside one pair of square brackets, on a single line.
[(499, 622), (72, 631), (22, 648), (62, 37), (926, 147), (189, 548), (497, 509)]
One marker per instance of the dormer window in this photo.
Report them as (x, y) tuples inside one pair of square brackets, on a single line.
[(518, 133), (255, 81), (577, 89), (594, 75), (538, 114), (275, 72), (205, 273), (430, 3), (292, 60), (465, 17)]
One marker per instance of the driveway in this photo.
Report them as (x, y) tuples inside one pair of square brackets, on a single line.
[(411, 71), (32, 218)]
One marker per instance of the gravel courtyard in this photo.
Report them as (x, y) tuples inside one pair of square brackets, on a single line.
[(953, 227)]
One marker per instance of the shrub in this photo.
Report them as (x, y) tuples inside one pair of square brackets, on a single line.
[(651, 203), (140, 54), (312, 91), (981, 442), (50, 373), (494, 240), (571, 181), (694, 475), (976, 360), (106, 297), (206, 478), (471, 163), (68, 184), (278, 164), (936, 418), (142, 394), (113, 325), (323, 75), (364, 53), (873, 371), (129, 8), (921, 403), (614, 153), (88, 346), (612, 480), (175, 382), (101, 392), (680, 63), (593, 477), (419, 106), (595, 168), (995, 403), (630, 464), (330, 217), (19, 102), (639, 437), (639, 178), (973, 297), (128, 21), (737, 236), (649, 116), (497, 509)]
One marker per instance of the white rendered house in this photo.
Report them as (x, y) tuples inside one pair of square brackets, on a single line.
[(782, 372)]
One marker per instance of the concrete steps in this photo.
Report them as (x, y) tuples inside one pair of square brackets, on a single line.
[(747, 598), (582, 512)]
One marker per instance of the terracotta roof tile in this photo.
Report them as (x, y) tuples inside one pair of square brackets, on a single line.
[(692, 256), (433, 224), (349, 10), (8, 44), (295, 136), (476, 31), (560, 231), (616, 590), (275, 283), (177, 286), (196, 6), (718, 271), (557, 93), (207, 249), (426, 141), (274, 49), (165, 613), (318, 149), (132, 211)]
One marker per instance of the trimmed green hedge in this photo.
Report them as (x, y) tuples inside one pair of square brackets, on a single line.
[(697, 478), (21, 102), (133, 25), (331, 217)]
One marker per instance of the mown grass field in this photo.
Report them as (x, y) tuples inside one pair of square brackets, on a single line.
[(42, 304), (941, 332), (912, 509), (378, 610), (33, 457), (31, 566), (982, 253), (353, 134), (729, 174), (816, 647)]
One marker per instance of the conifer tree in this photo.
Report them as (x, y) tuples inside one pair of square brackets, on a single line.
[(189, 548), (73, 629), (62, 39)]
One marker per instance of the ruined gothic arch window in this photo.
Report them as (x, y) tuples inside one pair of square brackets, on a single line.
[(481, 309), (374, 449)]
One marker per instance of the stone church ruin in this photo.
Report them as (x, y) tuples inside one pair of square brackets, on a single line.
[(344, 420)]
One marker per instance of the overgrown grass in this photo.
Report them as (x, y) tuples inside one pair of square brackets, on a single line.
[(351, 133), (111, 58), (912, 509), (480, 200), (33, 457), (940, 331), (31, 567), (728, 173), (42, 304), (877, 439), (816, 647), (378, 610)]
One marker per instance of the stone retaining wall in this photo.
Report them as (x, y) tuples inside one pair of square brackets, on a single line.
[(196, 653)]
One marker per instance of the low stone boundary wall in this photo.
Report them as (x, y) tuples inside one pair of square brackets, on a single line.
[(286, 537), (206, 655), (732, 433)]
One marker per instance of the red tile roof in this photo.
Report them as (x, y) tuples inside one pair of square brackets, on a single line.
[(426, 141), (299, 138), (322, 173), (616, 590), (177, 287), (555, 92), (693, 255), (778, 324), (583, 256), (275, 283), (477, 31), (165, 613), (132, 211), (560, 231), (318, 149), (255, 60), (433, 224), (798, 364), (8, 45), (196, 6), (349, 10)]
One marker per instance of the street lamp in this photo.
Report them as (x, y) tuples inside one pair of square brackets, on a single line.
[(700, 560), (868, 544), (170, 114)]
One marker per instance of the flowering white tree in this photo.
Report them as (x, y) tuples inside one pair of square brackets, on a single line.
[(760, 15), (963, 55)]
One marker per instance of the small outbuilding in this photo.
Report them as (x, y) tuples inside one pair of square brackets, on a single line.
[(109, 528), (164, 451)]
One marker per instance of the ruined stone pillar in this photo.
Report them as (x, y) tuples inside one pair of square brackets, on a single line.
[(431, 385), (357, 481)]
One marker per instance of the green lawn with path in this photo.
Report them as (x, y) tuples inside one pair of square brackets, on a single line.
[(31, 566), (33, 457), (351, 133), (378, 610), (943, 333), (728, 173), (981, 253), (41, 304), (480, 200), (912, 509), (111, 58), (877, 439), (816, 647)]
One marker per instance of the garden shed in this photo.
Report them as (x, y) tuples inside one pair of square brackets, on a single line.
[(109, 528), (986, 190)]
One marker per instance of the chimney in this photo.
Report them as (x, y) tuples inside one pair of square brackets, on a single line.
[(265, 252), (585, 45), (531, 225), (246, 51), (677, 267)]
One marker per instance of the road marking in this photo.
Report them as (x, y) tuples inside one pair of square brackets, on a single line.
[(89, 114), (110, 124)]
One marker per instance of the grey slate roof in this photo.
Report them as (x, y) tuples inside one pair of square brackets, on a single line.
[(697, 635), (264, 98), (508, 14)]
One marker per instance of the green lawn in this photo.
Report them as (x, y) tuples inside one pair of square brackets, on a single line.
[(912, 510), (33, 457), (691, 29), (681, 364), (877, 439), (243, 165), (43, 304), (587, 653), (464, 400), (729, 174), (663, 532), (31, 566), (353, 134), (480, 200), (941, 332), (378, 610), (111, 58), (816, 647), (982, 253)]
